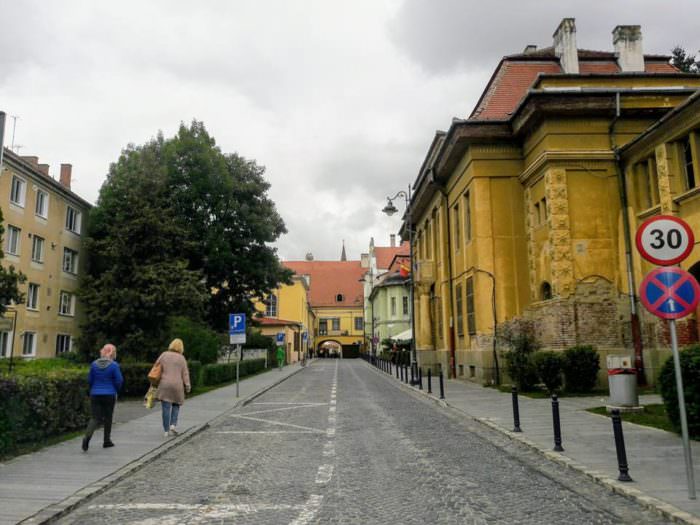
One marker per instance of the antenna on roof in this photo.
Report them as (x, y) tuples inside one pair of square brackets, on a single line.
[(14, 128)]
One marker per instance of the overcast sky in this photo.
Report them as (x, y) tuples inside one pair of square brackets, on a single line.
[(339, 100)]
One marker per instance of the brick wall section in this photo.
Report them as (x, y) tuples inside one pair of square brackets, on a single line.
[(686, 332)]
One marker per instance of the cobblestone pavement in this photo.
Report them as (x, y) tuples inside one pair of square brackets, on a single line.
[(338, 443)]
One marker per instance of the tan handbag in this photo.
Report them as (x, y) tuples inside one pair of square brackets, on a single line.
[(155, 373)]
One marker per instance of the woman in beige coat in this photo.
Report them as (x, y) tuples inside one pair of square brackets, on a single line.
[(174, 382)]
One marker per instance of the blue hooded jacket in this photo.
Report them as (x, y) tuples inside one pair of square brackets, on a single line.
[(105, 377)]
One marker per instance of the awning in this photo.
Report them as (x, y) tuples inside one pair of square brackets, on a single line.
[(403, 336)]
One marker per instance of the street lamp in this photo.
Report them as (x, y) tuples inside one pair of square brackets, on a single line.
[(390, 209)]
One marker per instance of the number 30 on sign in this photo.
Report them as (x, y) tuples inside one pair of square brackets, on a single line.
[(665, 240)]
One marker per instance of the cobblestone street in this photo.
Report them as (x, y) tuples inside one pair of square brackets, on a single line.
[(339, 443)]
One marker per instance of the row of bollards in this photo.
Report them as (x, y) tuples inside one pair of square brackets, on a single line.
[(416, 374)]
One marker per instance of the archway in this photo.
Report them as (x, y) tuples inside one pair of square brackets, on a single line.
[(330, 348)]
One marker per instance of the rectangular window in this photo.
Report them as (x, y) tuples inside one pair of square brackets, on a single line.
[(13, 238), (73, 219), (4, 344), (393, 306), (428, 241), (66, 303), (29, 344), (358, 323), (18, 191), (405, 305), (653, 181), (458, 309), (70, 261), (687, 159), (42, 204), (38, 249), (336, 323), (64, 343), (323, 327), (457, 222), (471, 316), (536, 213), (467, 218), (271, 308), (33, 296)]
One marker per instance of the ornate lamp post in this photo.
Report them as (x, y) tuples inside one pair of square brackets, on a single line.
[(390, 210)]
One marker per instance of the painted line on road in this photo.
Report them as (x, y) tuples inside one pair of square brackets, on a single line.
[(278, 423), (331, 409), (324, 474), (228, 507), (330, 432), (311, 507), (329, 449), (289, 403), (266, 432), (279, 409)]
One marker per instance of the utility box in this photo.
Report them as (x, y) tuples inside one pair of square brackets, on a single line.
[(622, 381)]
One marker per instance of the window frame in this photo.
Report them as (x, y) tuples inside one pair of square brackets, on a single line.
[(470, 310), (467, 218), (13, 232), (5, 338), (32, 302), (37, 212), (458, 226), (38, 240), (404, 304), (22, 198), (271, 308), (392, 306), (688, 162), (32, 351), (74, 260), (63, 337), (73, 220), (71, 303), (458, 309), (335, 324), (359, 323)]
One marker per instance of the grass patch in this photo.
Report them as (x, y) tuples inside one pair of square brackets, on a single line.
[(541, 393), (653, 416)]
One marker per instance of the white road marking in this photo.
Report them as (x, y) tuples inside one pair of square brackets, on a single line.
[(275, 403), (324, 474), (279, 409), (266, 432), (329, 449), (278, 423), (309, 511), (331, 409), (330, 432), (331, 419), (332, 401)]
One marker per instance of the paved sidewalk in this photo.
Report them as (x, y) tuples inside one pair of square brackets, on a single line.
[(60, 475), (655, 457)]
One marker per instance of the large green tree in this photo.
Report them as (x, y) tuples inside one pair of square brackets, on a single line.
[(180, 228)]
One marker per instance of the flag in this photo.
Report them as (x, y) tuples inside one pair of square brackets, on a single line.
[(404, 270)]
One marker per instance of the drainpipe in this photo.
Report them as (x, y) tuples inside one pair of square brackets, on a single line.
[(634, 316)]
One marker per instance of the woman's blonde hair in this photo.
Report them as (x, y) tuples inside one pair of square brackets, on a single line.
[(176, 345), (109, 351)]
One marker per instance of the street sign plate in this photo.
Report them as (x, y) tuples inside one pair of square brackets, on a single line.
[(280, 338), (236, 339), (669, 293), (236, 329), (664, 240)]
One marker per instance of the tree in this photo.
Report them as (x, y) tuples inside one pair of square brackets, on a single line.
[(683, 61), (9, 280), (136, 275)]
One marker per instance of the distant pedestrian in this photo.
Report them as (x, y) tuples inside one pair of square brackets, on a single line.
[(394, 353), (174, 383), (280, 357), (105, 380)]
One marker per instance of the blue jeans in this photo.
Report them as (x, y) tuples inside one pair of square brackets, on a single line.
[(170, 413)]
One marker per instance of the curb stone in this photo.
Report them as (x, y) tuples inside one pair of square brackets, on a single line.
[(660, 507), (54, 511)]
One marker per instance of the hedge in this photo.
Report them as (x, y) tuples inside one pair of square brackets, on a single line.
[(690, 371), (34, 408), (224, 372), (580, 367)]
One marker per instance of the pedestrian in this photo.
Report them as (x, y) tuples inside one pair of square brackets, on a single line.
[(394, 353), (105, 380), (173, 384), (280, 357)]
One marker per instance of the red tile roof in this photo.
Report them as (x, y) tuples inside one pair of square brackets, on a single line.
[(273, 321), (328, 279), (515, 74), (385, 254)]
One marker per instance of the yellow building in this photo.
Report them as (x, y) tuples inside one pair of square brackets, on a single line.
[(286, 313), (43, 221), (518, 209)]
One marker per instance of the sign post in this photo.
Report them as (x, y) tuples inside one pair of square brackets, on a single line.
[(670, 293), (236, 335)]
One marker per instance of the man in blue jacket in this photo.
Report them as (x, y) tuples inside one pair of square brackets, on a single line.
[(105, 379)]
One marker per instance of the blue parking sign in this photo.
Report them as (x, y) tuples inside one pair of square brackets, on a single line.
[(280, 338), (236, 328)]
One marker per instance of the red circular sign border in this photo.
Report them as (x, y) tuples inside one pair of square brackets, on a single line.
[(677, 270), (661, 262)]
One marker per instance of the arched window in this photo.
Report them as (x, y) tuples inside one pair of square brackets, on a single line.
[(545, 291), (271, 308), (339, 298)]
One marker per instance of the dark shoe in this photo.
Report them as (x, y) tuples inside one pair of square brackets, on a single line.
[(86, 443), (107, 444)]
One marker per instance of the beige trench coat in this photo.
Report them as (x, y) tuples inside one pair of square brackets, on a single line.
[(175, 378)]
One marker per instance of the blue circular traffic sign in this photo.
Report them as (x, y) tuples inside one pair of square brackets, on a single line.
[(670, 292)]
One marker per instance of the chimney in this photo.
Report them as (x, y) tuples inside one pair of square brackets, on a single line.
[(628, 47), (565, 45), (309, 256), (44, 168), (530, 48), (34, 161), (392, 238), (65, 175)]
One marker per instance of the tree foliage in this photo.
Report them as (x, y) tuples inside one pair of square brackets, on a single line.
[(180, 229), (684, 61), (10, 279)]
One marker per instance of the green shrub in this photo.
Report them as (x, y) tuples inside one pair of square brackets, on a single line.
[(549, 369), (581, 365), (690, 371), (135, 378), (519, 336), (216, 374), (195, 369), (33, 408), (201, 342)]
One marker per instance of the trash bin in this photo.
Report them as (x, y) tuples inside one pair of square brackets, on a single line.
[(622, 380)]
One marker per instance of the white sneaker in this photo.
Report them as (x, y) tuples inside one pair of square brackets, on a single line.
[(173, 431), (166, 434)]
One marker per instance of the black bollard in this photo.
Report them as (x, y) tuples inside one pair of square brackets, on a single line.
[(406, 373), (401, 370), (420, 378), (516, 410), (412, 375), (620, 446), (430, 385), (557, 424), (397, 369), (442, 386)]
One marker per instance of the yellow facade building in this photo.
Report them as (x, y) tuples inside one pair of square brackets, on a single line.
[(44, 223), (525, 209)]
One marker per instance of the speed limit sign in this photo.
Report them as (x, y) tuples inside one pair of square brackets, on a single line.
[(665, 240)]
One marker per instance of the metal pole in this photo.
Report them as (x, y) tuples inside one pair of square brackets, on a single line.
[(430, 383), (556, 424), (620, 446), (681, 408), (442, 386), (414, 356), (238, 364), (516, 410), (420, 378)]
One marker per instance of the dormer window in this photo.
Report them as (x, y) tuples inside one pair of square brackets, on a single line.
[(339, 298)]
